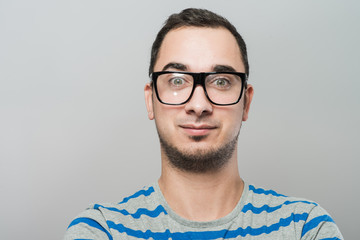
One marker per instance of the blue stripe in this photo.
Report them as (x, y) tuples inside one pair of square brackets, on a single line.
[(141, 211), (334, 238), (313, 223), (137, 194), (266, 192), (225, 234), (91, 223), (268, 209)]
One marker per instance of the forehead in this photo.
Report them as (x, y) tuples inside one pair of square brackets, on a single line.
[(200, 49)]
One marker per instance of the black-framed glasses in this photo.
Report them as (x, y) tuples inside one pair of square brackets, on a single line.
[(221, 88)]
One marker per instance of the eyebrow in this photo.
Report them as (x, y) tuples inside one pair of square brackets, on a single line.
[(174, 65), (223, 68), (182, 67)]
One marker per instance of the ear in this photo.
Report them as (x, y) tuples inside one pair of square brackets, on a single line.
[(148, 90), (248, 98)]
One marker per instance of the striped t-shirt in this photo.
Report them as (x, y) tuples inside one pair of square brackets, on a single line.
[(260, 214)]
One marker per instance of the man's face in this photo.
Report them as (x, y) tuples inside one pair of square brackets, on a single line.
[(198, 127)]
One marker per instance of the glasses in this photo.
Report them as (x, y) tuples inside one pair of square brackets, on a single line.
[(221, 88)]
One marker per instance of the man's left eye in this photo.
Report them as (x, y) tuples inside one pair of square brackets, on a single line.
[(221, 82)]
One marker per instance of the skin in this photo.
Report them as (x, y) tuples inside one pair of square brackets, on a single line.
[(211, 195)]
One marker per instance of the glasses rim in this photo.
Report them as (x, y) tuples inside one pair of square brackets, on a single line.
[(199, 79)]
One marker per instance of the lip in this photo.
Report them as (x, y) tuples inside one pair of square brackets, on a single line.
[(197, 130)]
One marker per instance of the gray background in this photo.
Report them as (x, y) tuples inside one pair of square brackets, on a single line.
[(73, 124)]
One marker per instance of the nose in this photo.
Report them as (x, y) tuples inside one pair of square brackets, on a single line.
[(199, 104)]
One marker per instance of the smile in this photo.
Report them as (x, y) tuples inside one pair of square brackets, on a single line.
[(197, 130)]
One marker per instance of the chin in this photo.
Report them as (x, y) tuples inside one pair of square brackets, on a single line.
[(198, 138)]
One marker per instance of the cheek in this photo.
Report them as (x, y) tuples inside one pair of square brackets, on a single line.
[(164, 117), (232, 122)]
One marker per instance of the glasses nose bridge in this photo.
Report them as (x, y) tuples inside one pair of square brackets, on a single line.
[(199, 79)]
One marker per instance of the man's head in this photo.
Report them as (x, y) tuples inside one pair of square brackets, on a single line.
[(198, 135), (202, 18)]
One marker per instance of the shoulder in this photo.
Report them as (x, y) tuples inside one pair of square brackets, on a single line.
[(99, 220), (272, 201), (139, 200), (307, 218)]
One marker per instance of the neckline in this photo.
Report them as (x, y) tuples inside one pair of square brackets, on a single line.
[(206, 224)]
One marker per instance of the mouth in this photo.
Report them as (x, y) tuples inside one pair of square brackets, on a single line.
[(197, 130)]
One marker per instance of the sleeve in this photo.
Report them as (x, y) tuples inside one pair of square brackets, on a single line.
[(90, 224), (320, 226)]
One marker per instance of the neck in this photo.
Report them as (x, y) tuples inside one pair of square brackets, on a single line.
[(202, 197)]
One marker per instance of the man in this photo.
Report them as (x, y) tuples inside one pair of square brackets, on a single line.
[(198, 97)]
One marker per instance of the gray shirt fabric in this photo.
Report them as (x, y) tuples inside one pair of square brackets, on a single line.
[(260, 214)]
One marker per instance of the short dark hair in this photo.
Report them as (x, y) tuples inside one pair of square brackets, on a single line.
[(193, 17)]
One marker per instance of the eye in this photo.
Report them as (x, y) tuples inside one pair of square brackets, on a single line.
[(221, 82), (177, 81)]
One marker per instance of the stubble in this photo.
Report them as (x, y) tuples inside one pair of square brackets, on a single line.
[(199, 160)]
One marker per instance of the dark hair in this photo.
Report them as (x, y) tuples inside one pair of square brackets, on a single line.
[(193, 17)]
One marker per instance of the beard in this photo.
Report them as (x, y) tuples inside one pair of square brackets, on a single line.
[(199, 160)]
